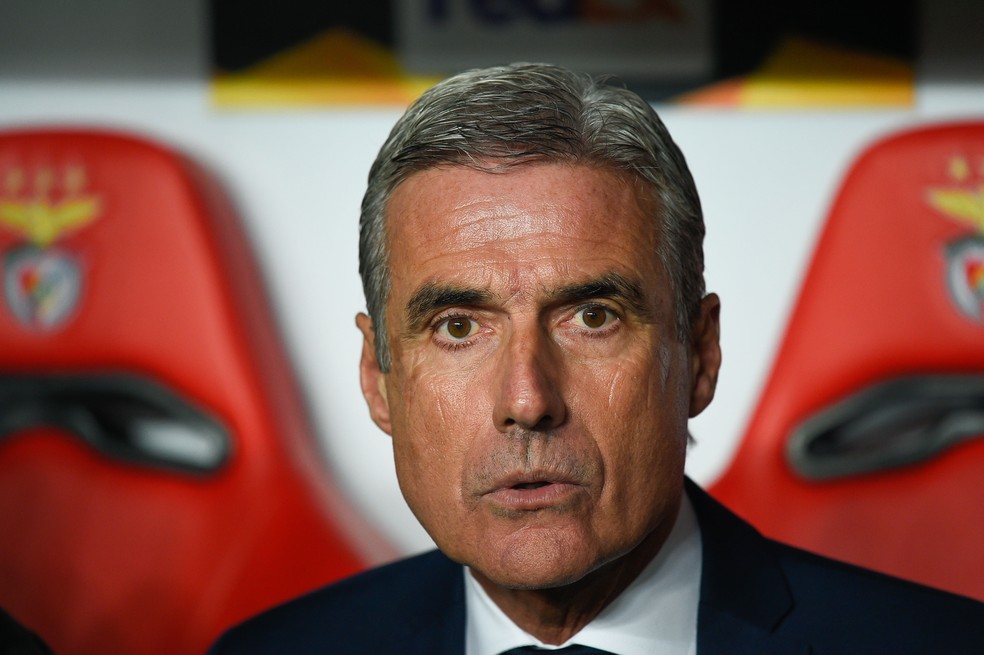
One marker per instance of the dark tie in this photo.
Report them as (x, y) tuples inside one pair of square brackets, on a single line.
[(570, 650)]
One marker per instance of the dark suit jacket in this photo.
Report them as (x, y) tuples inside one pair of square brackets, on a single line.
[(757, 597)]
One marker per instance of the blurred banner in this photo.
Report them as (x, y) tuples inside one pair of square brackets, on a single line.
[(757, 53), (646, 39)]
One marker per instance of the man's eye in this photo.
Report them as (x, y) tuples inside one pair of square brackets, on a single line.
[(457, 328), (594, 317)]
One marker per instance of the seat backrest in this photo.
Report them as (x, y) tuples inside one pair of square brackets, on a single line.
[(866, 442), (159, 480)]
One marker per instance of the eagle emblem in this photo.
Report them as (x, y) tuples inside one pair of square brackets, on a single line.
[(42, 282)]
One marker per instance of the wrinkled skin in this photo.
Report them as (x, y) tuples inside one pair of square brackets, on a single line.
[(538, 397)]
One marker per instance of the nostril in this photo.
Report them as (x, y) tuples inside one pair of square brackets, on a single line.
[(545, 423)]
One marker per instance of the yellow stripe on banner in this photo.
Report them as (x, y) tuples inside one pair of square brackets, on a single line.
[(802, 73), (335, 67)]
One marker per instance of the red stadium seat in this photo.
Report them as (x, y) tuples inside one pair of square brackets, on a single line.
[(866, 444), (158, 477)]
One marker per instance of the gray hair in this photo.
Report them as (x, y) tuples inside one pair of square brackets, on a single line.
[(497, 118)]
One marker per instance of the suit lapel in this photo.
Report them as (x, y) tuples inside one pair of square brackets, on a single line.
[(744, 596)]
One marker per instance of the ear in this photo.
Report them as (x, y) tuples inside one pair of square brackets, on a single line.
[(373, 380), (705, 354)]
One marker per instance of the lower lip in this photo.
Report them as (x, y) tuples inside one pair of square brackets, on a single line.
[(547, 496)]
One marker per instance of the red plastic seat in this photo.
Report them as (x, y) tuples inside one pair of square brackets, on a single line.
[(158, 477), (866, 444)]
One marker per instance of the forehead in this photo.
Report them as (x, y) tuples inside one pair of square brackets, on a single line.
[(534, 221)]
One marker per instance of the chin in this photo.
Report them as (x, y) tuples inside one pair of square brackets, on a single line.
[(541, 580), (537, 564)]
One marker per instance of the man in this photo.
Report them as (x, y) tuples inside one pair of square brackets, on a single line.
[(538, 336)]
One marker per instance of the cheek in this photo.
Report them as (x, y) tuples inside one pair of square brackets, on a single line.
[(618, 390), (636, 409), (436, 397), (440, 418), (438, 412)]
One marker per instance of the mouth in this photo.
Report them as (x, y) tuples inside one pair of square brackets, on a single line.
[(528, 492)]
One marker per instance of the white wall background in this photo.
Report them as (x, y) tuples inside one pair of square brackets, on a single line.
[(766, 180)]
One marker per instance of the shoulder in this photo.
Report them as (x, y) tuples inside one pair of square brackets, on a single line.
[(802, 598), (871, 609), (371, 608)]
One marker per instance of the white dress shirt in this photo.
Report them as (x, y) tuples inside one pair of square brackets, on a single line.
[(655, 615)]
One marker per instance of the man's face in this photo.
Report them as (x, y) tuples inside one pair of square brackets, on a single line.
[(538, 396)]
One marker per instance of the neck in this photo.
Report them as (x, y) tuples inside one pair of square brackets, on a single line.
[(554, 615)]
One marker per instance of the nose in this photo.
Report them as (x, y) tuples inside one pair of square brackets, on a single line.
[(529, 393)]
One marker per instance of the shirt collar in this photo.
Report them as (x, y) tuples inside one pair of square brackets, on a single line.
[(657, 612)]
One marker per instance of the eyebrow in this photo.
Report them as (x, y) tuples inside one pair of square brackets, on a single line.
[(610, 285), (433, 297)]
